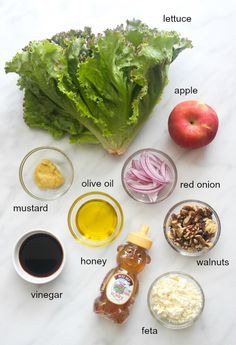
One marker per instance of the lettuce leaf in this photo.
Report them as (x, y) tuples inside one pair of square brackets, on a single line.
[(96, 88), (41, 112)]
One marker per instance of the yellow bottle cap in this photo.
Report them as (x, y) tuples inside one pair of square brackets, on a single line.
[(140, 238)]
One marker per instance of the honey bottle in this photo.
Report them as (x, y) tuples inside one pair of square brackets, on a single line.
[(120, 286)]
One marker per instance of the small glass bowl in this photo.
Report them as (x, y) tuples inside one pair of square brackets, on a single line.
[(29, 163), (176, 209), (165, 192), (164, 321), (76, 206)]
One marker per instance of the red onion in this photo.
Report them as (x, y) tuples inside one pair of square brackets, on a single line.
[(148, 175)]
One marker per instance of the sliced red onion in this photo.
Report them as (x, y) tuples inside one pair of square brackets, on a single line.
[(148, 175), (147, 191), (155, 175), (140, 175), (135, 164)]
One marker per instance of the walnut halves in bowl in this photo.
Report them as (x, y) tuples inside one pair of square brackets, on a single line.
[(192, 227)]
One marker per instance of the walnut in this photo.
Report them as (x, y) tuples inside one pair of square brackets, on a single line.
[(210, 226), (193, 228)]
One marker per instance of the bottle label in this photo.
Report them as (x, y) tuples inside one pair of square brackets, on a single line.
[(120, 288)]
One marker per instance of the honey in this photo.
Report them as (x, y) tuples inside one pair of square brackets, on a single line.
[(120, 286), (96, 220)]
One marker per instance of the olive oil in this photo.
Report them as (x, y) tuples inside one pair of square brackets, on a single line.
[(96, 220)]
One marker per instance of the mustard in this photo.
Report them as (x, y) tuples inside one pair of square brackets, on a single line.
[(47, 175)]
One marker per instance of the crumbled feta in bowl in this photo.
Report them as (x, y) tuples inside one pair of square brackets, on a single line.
[(176, 300)]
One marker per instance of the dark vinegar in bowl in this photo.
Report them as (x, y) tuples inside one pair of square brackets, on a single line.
[(41, 255)]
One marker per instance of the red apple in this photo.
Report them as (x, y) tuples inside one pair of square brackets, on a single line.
[(193, 124)]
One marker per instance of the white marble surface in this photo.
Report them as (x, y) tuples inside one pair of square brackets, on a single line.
[(210, 67)]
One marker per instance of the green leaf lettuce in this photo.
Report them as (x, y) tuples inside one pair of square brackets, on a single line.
[(96, 89)]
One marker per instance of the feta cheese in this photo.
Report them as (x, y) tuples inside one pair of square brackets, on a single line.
[(176, 299)]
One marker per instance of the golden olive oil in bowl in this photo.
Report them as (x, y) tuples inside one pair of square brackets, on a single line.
[(95, 219)]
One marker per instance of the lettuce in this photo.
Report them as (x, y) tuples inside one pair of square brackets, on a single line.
[(96, 88)]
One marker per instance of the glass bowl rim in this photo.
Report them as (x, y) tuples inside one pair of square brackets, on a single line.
[(168, 324), (161, 153), (22, 164), (183, 251), (110, 239)]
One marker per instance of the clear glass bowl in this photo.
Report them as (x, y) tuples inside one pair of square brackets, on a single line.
[(166, 322), (76, 207), (165, 192), (29, 163), (176, 209)]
